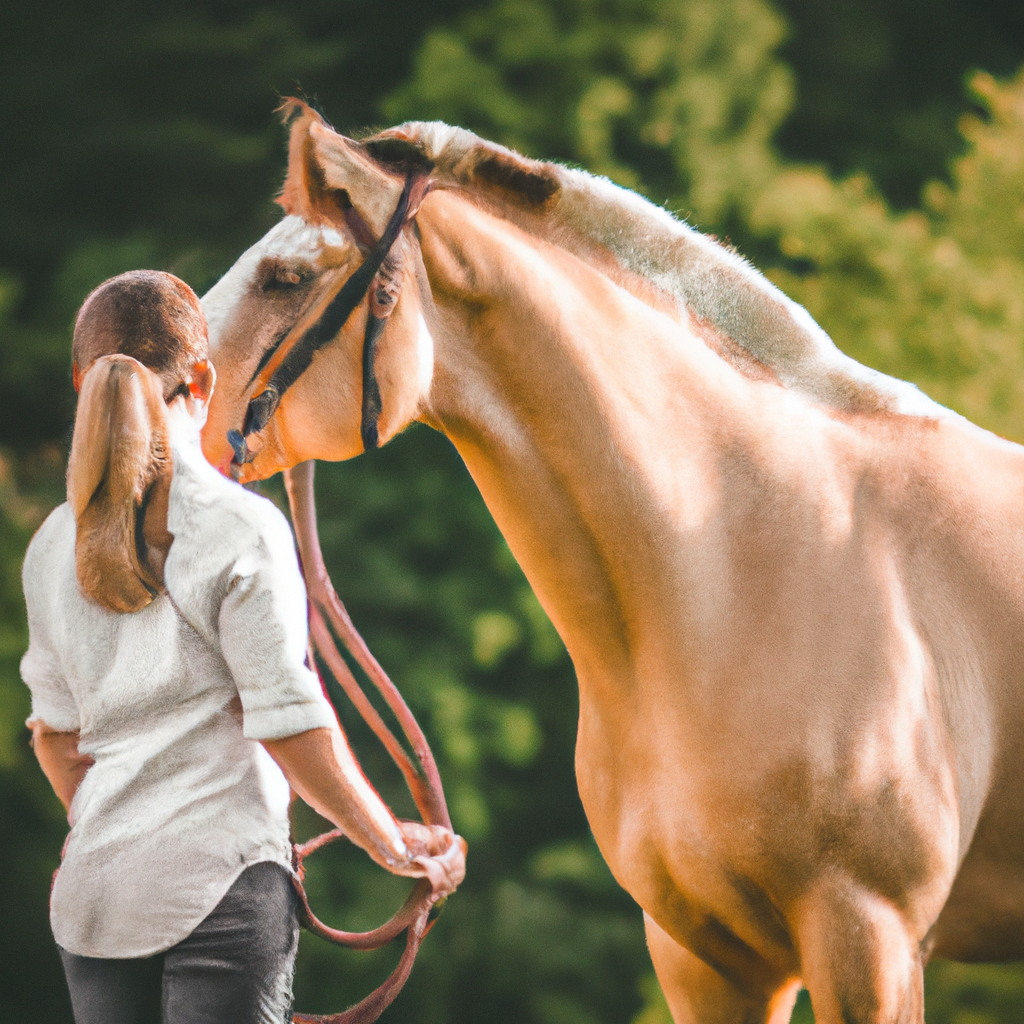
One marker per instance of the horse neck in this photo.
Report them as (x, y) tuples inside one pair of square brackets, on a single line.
[(590, 421)]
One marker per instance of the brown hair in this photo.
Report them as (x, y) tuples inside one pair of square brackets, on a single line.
[(138, 338), (149, 315)]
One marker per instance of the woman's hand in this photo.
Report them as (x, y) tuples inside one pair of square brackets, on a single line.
[(320, 767), (438, 853)]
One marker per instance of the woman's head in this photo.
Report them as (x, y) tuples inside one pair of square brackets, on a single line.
[(139, 343), (153, 317)]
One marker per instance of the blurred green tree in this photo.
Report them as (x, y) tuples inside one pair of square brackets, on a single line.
[(678, 100), (881, 83), (932, 295)]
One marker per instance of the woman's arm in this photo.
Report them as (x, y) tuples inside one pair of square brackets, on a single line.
[(320, 767), (58, 756), (263, 637)]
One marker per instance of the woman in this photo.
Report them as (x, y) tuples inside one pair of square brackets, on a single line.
[(171, 703)]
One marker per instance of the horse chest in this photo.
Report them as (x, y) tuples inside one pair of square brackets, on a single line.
[(644, 793), (654, 822), (717, 837)]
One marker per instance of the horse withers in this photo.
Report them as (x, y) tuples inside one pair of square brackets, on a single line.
[(791, 586)]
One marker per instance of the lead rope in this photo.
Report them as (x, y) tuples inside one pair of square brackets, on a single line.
[(326, 612)]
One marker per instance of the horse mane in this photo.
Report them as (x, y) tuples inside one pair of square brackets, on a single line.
[(588, 214)]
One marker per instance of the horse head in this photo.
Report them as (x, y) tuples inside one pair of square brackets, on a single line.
[(280, 302), (278, 306)]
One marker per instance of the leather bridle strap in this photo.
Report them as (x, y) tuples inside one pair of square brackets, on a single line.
[(372, 404), (300, 348)]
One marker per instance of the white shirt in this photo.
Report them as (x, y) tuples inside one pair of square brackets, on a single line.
[(170, 702)]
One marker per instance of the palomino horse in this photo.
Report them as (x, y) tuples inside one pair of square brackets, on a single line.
[(791, 587)]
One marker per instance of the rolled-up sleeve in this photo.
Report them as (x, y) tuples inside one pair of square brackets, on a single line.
[(262, 626), (52, 701)]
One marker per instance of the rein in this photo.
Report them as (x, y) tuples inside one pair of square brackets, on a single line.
[(279, 369), (326, 612), (291, 356)]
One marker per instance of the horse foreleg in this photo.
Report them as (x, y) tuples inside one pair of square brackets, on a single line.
[(698, 994), (860, 961)]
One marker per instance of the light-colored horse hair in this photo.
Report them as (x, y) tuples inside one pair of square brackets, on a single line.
[(582, 212), (119, 449)]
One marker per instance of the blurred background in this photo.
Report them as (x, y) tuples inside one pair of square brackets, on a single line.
[(867, 155)]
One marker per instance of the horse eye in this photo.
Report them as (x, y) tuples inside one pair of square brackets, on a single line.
[(273, 274)]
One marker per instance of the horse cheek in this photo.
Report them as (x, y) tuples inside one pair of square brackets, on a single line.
[(319, 417), (404, 366)]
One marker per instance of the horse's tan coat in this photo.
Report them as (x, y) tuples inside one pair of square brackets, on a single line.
[(791, 588)]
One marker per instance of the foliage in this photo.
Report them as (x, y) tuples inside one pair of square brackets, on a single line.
[(143, 138), (678, 100), (881, 83), (934, 295), (961, 994), (31, 819)]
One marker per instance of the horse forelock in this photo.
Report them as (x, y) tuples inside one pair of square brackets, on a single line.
[(589, 214)]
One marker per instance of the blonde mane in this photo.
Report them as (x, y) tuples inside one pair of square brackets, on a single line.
[(583, 212)]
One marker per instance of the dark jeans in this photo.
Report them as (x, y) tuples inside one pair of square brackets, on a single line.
[(235, 968)]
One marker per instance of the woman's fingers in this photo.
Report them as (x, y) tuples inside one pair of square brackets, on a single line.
[(425, 840), (436, 854)]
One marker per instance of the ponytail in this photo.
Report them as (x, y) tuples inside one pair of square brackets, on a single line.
[(118, 451)]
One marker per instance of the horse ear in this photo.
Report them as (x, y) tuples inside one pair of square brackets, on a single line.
[(328, 173)]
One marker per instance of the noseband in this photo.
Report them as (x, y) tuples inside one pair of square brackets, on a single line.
[(301, 349)]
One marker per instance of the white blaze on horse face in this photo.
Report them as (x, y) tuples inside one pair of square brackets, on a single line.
[(247, 315)]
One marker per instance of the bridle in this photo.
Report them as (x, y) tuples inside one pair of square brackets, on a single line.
[(292, 355), (280, 368)]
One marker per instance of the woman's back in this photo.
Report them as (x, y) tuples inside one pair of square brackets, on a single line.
[(172, 704), (164, 699)]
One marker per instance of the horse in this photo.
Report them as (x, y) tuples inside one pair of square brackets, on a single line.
[(791, 586)]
